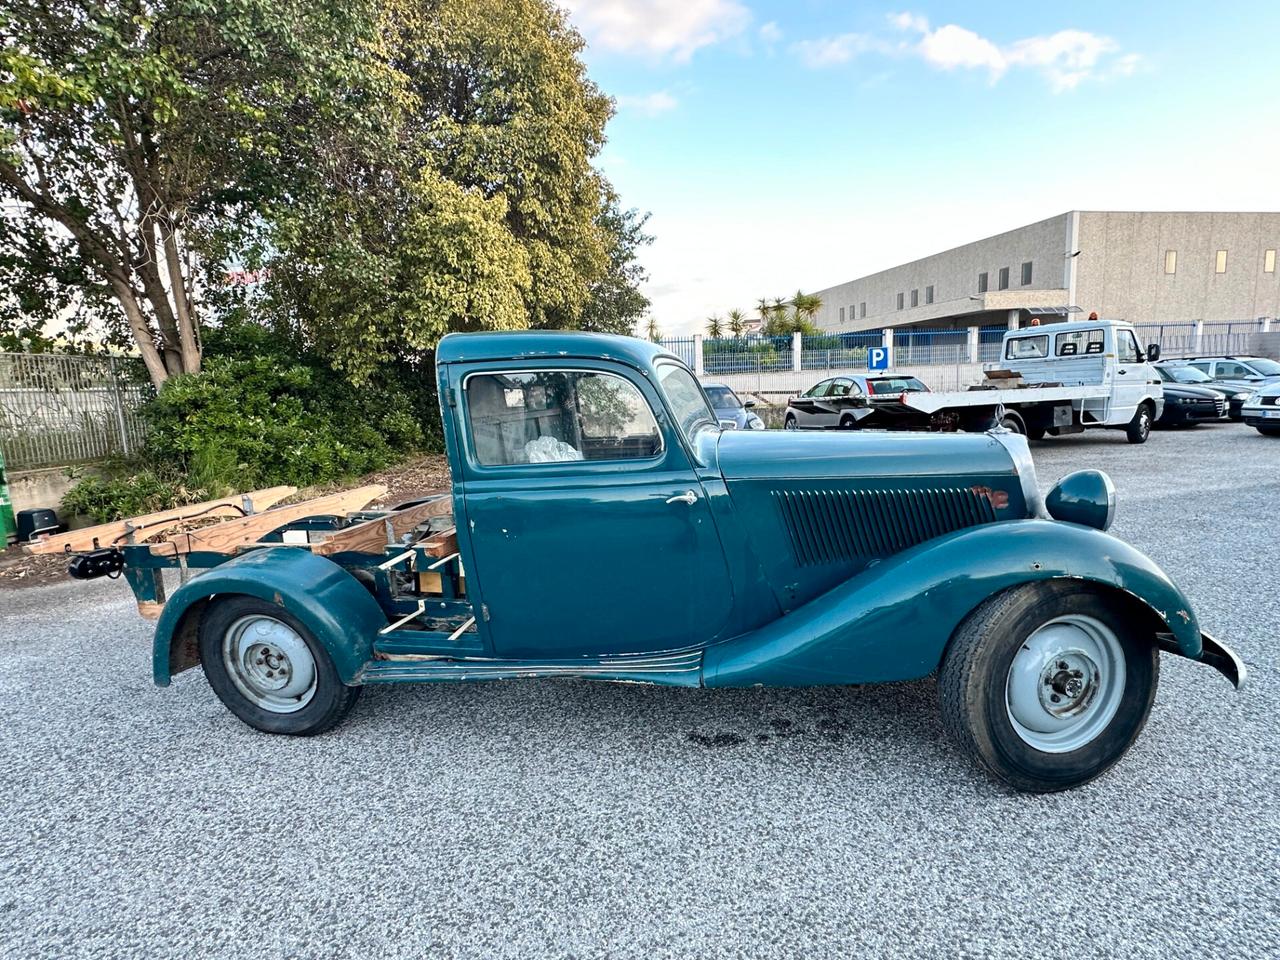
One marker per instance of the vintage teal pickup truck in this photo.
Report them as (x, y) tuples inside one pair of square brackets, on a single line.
[(601, 526)]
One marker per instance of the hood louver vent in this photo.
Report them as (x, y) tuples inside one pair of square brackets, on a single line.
[(832, 526)]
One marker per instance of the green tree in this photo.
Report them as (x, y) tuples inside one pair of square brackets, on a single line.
[(480, 207), (806, 306), (616, 302), (136, 135), (715, 327), (737, 322)]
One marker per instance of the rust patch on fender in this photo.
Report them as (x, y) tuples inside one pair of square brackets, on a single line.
[(277, 599)]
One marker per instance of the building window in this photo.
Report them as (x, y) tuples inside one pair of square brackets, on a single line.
[(982, 283), (842, 314), (862, 309), (1269, 262), (915, 298), (1004, 278), (900, 299), (928, 294), (1220, 264), (1170, 262), (1026, 274)]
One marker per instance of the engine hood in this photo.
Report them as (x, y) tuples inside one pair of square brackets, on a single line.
[(818, 508), (1196, 392)]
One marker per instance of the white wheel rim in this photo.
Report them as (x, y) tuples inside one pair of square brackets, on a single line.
[(1065, 684), (269, 663)]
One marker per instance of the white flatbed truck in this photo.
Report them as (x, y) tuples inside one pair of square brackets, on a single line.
[(1070, 377)]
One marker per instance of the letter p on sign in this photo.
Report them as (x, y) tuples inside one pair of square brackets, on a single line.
[(878, 358)]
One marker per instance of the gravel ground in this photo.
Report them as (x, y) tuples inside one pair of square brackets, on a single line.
[(568, 819)]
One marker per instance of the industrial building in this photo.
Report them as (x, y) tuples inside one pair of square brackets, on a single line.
[(1141, 267)]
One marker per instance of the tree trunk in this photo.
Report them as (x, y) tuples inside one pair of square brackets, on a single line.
[(184, 308), (128, 299)]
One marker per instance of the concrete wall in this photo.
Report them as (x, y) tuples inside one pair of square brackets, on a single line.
[(1121, 267), (954, 277), (30, 489)]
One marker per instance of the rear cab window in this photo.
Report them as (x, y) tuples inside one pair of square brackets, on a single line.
[(1027, 348), (558, 416), (1080, 343)]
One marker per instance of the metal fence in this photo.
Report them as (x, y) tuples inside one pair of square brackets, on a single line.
[(57, 410), (1214, 339), (744, 354)]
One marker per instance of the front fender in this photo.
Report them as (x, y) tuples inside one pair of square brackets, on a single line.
[(329, 602), (893, 621)]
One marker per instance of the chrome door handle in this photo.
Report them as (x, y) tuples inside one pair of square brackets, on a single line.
[(688, 497)]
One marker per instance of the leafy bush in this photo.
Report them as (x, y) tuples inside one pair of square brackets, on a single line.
[(260, 413), (114, 498)]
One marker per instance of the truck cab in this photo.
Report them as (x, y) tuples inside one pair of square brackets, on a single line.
[(1099, 354)]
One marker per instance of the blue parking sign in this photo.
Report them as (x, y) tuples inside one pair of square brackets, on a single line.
[(878, 358)]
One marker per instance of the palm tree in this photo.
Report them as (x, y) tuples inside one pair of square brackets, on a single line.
[(715, 328), (806, 305), (651, 330), (765, 308), (737, 322)]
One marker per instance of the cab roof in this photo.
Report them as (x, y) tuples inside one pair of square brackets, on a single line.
[(535, 344), (1069, 327)]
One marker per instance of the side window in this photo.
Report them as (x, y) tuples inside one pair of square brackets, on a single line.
[(839, 388), (556, 416), (1126, 347), (1233, 370), (816, 390), (1202, 367), (1079, 342), (1027, 348)]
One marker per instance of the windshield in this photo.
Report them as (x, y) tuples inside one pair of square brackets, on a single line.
[(897, 385), (722, 398), (1268, 368), (1184, 375), (686, 399)]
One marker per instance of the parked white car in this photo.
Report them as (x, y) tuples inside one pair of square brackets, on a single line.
[(1262, 410)]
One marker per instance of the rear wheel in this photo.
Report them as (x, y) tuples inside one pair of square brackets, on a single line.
[(1035, 433), (269, 670), (790, 422), (847, 422), (1139, 427), (1047, 685)]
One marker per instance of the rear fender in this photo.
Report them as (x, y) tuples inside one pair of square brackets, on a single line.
[(893, 621), (328, 601)]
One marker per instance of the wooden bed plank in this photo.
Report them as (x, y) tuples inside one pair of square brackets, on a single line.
[(148, 525), (442, 544), (371, 535), (226, 537)]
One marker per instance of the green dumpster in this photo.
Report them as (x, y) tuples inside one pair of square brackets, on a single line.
[(8, 529)]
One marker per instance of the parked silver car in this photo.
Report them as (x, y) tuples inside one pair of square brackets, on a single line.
[(1262, 410), (1235, 371), (732, 412), (828, 404)]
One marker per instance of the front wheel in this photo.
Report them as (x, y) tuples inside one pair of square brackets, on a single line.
[(1047, 685), (1139, 427), (269, 670)]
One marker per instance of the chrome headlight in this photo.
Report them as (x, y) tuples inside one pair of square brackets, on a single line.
[(1087, 497), (1248, 398)]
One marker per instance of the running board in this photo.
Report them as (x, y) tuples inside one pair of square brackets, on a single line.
[(674, 669)]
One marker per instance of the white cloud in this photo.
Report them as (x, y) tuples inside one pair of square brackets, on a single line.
[(770, 32), (649, 104), (830, 51), (657, 28), (1065, 58)]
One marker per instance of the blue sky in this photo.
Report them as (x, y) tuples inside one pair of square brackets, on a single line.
[(796, 145)]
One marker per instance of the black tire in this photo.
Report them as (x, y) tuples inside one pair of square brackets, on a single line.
[(790, 423), (1013, 421), (847, 422), (1139, 427), (1269, 431), (973, 678), (1035, 433), (329, 703)]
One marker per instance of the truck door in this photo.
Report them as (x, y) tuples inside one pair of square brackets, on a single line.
[(589, 531), (1129, 385)]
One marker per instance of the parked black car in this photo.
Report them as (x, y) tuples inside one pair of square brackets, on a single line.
[(1183, 373), (829, 403), (1187, 403)]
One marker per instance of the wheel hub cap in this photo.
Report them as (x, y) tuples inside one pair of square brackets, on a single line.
[(269, 663), (1065, 684)]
